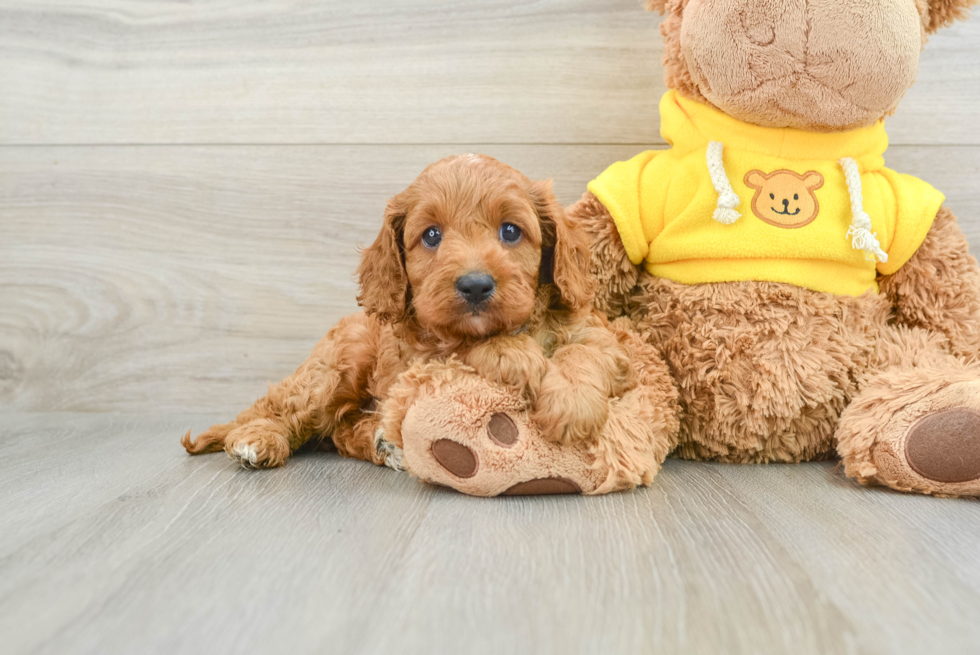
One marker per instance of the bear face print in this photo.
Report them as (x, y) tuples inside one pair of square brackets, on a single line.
[(784, 198)]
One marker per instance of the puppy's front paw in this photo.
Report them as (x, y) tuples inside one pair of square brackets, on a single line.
[(257, 444), (513, 361), (568, 414), (388, 452)]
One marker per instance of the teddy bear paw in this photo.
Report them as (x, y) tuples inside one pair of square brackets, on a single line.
[(933, 445), (477, 438)]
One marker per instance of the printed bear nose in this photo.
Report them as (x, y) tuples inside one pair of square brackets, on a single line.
[(785, 202), (474, 288)]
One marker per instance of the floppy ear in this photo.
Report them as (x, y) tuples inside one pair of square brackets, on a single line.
[(383, 280), (755, 179), (943, 13), (564, 249)]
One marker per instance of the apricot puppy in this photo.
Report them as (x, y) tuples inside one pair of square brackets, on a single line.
[(479, 268)]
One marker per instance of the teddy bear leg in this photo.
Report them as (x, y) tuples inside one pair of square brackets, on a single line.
[(457, 430), (915, 424)]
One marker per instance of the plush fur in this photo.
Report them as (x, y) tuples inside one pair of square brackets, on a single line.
[(772, 372), (594, 397)]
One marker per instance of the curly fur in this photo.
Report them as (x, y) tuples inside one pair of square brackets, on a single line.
[(764, 369), (613, 273), (536, 335), (676, 72), (937, 14), (936, 289)]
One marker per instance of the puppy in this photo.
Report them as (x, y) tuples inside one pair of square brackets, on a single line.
[(475, 262)]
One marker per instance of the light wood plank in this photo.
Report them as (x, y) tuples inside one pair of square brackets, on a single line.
[(194, 555), (185, 278), (376, 71), (80, 461)]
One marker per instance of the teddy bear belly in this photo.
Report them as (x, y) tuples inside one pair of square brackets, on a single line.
[(763, 369)]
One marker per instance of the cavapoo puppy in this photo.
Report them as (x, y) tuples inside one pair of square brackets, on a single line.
[(477, 278)]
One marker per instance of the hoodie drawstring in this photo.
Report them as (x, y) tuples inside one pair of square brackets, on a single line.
[(862, 238), (728, 200), (860, 234)]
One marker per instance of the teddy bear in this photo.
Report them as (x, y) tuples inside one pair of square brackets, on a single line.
[(808, 301)]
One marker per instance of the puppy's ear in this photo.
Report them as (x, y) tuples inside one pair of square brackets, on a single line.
[(937, 14), (564, 249), (383, 280)]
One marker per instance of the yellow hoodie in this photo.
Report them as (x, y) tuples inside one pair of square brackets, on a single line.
[(730, 201)]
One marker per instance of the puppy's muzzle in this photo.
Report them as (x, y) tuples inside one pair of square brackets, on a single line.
[(475, 288)]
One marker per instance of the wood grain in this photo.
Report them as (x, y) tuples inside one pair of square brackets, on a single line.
[(157, 279), (163, 553), (195, 233), (376, 71)]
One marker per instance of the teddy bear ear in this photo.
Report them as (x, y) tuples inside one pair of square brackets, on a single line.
[(659, 6), (813, 180), (755, 179), (943, 13)]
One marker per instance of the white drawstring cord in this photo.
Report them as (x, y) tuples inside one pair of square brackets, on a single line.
[(728, 200), (860, 234), (862, 238)]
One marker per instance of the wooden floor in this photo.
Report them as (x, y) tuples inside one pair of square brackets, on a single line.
[(183, 186), (112, 540)]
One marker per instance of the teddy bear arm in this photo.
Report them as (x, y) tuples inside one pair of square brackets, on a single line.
[(939, 287), (614, 274)]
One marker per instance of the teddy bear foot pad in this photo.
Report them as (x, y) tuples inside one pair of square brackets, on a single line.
[(463, 463), (945, 446), (933, 446), (472, 446)]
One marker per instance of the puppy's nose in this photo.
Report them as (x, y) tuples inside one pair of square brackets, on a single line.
[(474, 288), (785, 202)]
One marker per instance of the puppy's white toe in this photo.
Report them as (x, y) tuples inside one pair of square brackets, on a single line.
[(389, 452), (245, 454)]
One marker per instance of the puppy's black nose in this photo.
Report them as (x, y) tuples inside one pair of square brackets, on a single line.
[(474, 288), (785, 202)]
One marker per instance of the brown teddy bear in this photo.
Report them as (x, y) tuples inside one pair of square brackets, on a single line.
[(809, 301)]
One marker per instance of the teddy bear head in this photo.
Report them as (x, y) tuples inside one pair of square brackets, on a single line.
[(818, 65)]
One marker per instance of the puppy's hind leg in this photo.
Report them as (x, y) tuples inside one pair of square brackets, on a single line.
[(312, 402), (255, 439), (210, 441)]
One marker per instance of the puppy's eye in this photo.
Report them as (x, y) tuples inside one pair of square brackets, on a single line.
[(772, 195), (432, 237), (796, 196), (510, 233)]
